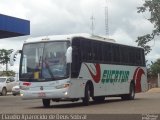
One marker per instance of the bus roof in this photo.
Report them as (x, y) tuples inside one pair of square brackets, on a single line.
[(68, 37)]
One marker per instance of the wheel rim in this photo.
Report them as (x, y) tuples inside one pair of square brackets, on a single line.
[(132, 92), (88, 94)]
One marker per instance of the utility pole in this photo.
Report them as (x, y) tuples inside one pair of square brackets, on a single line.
[(158, 79), (106, 20)]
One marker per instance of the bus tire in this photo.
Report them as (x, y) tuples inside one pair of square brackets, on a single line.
[(99, 99), (86, 96), (46, 103), (131, 94)]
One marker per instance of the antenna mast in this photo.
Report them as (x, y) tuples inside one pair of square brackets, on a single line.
[(92, 24), (106, 19)]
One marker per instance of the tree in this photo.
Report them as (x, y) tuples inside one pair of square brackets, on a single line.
[(155, 68), (5, 57), (153, 7), (8, 73)]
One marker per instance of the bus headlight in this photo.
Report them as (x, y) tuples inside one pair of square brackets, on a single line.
[(66, 93), (62, 86)]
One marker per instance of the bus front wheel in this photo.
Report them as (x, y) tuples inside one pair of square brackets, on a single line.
[(46, 103), (86, 96)]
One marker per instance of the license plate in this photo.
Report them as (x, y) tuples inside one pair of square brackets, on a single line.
[(41, 94)]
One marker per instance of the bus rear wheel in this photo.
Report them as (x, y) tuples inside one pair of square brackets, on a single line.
[(86, 96), (131, 94), (46, 103)]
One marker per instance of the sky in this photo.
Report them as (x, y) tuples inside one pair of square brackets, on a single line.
[(57, 17)]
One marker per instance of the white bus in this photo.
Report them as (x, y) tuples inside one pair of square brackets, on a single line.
[(80, 67)]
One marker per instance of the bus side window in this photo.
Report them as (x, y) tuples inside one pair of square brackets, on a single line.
[(116, 54), (99, 52), (132, 56), (138, 57), (94, 50), (125, 55), (107, 53), (83, 50), (143, 57), (76, 58)]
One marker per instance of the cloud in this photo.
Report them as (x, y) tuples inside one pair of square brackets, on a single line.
[(13, 8), (122, 37), (51, 17), (70, 16)]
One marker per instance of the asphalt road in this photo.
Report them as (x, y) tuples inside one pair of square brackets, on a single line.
[(144, 103)]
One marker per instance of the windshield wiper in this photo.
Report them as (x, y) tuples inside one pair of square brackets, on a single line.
[(59, 78), (41, 79)]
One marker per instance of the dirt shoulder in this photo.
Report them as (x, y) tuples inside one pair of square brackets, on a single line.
[(154, 90)]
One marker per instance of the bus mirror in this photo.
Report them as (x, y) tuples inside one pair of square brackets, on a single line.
[(69, 55), (12, 57)]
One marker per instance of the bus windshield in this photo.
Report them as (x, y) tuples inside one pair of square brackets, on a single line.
[(43, 61)]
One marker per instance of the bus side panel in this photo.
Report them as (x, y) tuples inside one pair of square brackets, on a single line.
[(114, 79), (89, 72), (102, 77), (108, 79), (77, 88)]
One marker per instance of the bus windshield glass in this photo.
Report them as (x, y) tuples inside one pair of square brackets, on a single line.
[(43, 61)]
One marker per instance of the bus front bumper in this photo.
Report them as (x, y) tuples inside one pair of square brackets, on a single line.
[(45, 94)]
